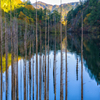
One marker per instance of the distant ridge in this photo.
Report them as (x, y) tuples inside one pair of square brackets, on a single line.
[(66, 7)]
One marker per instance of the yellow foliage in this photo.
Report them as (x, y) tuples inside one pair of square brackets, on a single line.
[(86, 18), (29, 7), (64, 22), (21, 15), (6, 4), (9, 62)]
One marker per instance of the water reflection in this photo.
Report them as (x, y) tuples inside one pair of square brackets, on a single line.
[(26, 73)]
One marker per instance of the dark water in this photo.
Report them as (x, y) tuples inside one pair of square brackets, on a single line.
[(91, 72)]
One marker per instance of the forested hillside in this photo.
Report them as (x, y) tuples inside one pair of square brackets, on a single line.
[(91, 17), (65, 7)]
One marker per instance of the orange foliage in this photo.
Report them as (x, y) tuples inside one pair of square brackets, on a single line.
[(29, 7)]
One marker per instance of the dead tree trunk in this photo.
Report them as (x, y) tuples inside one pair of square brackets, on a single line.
[(48, 58), (36, 57), (40, 67), (82, 59), (45, 56), (66, 59), (6, 51), (25, 47), (30, 71), (1, 44), (61, 76), (33, 69)]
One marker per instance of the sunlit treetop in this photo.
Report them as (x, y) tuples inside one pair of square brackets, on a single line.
[(5, 4)]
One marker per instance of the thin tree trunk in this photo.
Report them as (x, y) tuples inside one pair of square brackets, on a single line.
[(48, 58), (77, 69), (25, 47), (11, 50), (30, 71), (61, 76), (45, 57), (17, 59), (55, 62), (33, 69), (66, 59), (40, 67), (82, 60), (6, 51), (1, 45), (36, 57)]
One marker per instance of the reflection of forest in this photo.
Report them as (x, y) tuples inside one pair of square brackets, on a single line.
[(9, 61), (91, 52)]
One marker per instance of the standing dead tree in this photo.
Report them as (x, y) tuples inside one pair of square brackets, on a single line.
[(66, 59), (81, 50), (48, 59), (36, 57), (30, 71), (40, 67), (25, 47), (45, 52), (61, 76), (1, 32), (6, 51), (54, 66), (33, 65), (11, 49)]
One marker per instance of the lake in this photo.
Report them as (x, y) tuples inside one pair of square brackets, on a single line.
[(28, 80)]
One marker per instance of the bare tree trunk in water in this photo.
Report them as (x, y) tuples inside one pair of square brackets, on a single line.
[(30, 71), (14, 46), (77, 69), (48, 58), (36, 57), (40, 67), (1, 45), (55, 61), (44, 74), (25, 47), (82, 59), (6, 51), (66, 59), (61, 76), (17, 59), (33, 69), (45, 56), (11, 51)]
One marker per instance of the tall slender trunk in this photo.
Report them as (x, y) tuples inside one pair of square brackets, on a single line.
[(25, 47), (48, 58), (55, 62), (40, 67), (14, 49), (30, 71), (6, 51), (1, 45), (61, 76), (36, 57), (45, 56), (77, 69), (82, 60), (33, 69), (17, 59), (11, 50), (66, 59)]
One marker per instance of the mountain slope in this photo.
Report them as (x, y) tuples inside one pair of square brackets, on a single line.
[(65, 7), (91, 17)]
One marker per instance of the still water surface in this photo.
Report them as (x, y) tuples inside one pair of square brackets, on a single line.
[(91, 90), (91, 83)]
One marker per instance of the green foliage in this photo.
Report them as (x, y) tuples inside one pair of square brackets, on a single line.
[(91, 16)]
